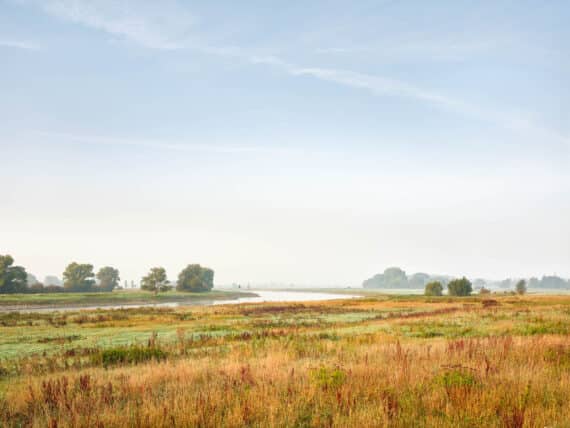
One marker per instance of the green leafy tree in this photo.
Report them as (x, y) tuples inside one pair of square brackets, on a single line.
[(459, 287), (78, 277), (521, 287), (155, 281), (13, 279), (392, 277), (108, 278), (195, 278), (433, 288)]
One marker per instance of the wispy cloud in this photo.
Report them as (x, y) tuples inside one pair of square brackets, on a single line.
[(156, 25), (19, 44), (168, 25), (386, 86)]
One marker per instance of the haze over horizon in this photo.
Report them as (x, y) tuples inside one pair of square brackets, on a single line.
[(313, 143)]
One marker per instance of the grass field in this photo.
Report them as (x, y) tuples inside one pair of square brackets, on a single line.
[(393, 361)]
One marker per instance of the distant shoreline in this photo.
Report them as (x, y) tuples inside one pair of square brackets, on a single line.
[(125, 298)]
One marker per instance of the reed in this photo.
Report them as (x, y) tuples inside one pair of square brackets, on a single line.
[(370, 370)]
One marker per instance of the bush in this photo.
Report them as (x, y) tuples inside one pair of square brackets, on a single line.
[(521, 287), (433, 288), (128, 355), (459, 287)]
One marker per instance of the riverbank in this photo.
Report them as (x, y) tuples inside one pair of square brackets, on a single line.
[(14, 302)]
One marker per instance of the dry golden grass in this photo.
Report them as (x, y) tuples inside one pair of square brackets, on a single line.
[(409, 363)]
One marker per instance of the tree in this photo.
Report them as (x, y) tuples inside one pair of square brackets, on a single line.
[(52, 280), (195, 278), (108, 278), (433, 288), (155, 280), (552, 282), (521, 287), (393, 277), (37, 287), (459, 287), (419, 280), (13, 279), (78, 277), (31, 279)]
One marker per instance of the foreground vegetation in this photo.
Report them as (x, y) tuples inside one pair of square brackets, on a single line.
[(378, 361)]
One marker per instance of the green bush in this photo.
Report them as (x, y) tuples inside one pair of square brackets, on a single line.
[(433, 288), (128, 355), (459, 287)]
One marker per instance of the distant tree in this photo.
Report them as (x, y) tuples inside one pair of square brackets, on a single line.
[(78, 277), (31, 279), (533, 282), (459, 287), (155, 281), (418, 280), (108, 278), (377, 281), (479, 283), (13, 279), (552, 282), (395, 277), (433, 288), (484, 290), (392, 277), (195, 278), (506, 283), (520, 288), (37, 287), (53, 289), (52, 280)]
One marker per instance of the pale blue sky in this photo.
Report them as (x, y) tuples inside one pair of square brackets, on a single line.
[(301, 141)]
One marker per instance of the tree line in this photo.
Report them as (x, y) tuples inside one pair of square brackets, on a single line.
[(463, 287), (81, 278), (396, 278)]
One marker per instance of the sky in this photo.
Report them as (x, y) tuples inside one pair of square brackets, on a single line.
[(305, 142)]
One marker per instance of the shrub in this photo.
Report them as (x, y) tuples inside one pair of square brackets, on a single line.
[(433, 288), (521, 287), (128, 355), (459, 287)]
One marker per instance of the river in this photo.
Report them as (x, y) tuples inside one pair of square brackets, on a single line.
[(262, 296)]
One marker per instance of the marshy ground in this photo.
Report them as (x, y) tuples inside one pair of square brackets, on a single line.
[(499, 361)]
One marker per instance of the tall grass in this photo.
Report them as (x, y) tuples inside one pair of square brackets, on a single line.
[(368, 373)]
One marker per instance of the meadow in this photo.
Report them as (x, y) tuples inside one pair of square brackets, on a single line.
[(378, 361)]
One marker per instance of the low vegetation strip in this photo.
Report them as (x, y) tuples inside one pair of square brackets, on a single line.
[(373, 362)]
